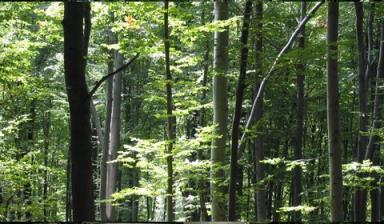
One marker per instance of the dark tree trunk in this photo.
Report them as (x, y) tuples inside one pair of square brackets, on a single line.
[(360, 195), (377, 123), (296, 181), (260, 195), (27, 191), (378, 101), (75, 42), (375, 192), (237, 113), (171, 120), (335, 155), (46, 130)]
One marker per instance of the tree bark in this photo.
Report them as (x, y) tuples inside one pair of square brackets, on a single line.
[(378, 101), (202, 183), (237, 112), (171, 119), (360, 195), (114, 142), (300, 69), (46, 131), (80, 127), (220, 111), (260, 194), (334, 147), (107, 128)]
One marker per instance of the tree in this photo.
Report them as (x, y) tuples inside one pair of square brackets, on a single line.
[(334, 144), (76, 36), (296, 179), (107, 128), (171, 119), (237, 112), (114, 139), (360, 196), (220, 111), (258, 147)]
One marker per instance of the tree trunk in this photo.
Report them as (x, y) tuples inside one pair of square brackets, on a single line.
[(360, 195), (260, 195), (377, 123), (296, 181), (114, 142), (237, 113), (336, 181), (171, 124), (375, 192), (378, 101), (46, 130), (220, 111), (107, 128), (202, 182), (75, 42)]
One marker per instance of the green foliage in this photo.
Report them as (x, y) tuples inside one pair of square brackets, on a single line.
[(363, 175)]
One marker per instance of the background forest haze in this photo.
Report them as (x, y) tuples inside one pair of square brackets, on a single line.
[(226, 110)]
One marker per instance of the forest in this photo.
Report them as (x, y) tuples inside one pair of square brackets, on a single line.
[(191, 111)]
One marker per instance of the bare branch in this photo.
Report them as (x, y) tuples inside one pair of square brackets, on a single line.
[(98, 83), (251, 117)]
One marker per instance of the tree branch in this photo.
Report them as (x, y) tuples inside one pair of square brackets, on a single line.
[(98, 83), (251, 117)]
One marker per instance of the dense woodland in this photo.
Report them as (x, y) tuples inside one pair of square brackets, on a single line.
[(244, 110)]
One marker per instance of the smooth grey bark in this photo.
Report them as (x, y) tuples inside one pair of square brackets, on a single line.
[(107, 128), (297, 155), (76, 34), (114, 141), (237, 113), (334, 143), (171, 119), (97, 124), (220, 112)]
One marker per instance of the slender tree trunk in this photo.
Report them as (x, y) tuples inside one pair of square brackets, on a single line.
[(257, 99), (114, 142), (171, 124), (296, 181), (27, 191), (378, 101), (377, 123), (46, 130), (237, 112), (75, 44), (375, 192), (202, 184), (360, 195), (336, 181), (220, 111), (107, 128), (260, 195)]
